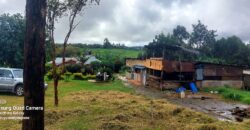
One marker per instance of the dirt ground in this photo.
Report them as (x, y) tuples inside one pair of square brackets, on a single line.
[(211, 104)]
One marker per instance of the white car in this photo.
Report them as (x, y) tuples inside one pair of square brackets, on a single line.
[(11, 80)]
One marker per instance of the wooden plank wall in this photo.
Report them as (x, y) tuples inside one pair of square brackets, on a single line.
[(176, 66), (225, 72), (132, 62), (156, 64)]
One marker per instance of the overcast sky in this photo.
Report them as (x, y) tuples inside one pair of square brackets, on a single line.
[(136, 22)]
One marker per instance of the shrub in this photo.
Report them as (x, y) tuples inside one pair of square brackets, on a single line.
[(49, 75), (78, 76), (75, 68), (67, 76), (91, 76), (48, 67)]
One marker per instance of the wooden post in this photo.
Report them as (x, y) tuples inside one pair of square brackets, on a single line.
[(34, 64), (161, 84)]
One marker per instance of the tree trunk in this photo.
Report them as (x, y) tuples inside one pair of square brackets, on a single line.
[(34, 64), (56, 91)]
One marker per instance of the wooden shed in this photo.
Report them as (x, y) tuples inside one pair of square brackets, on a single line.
[(209, 74), (166, 74)]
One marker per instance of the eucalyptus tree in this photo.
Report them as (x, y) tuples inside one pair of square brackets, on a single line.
[(71, 9), (34, 64)]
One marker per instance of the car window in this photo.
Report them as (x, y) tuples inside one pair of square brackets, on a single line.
[(7, 74), (1, 73), (18, 73)]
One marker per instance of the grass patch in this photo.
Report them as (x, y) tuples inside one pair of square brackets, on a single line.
[(112, 106), (232, 93), (116, 52)]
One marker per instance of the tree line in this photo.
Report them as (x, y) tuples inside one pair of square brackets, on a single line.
[(201, 44)]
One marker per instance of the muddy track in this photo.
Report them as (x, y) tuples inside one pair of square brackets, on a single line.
[(213, 107)]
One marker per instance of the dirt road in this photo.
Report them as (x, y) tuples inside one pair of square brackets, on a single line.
[(212, 106)]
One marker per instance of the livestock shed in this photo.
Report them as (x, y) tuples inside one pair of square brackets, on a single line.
[(170, 70), (166, 74), (246, 79), (214, 75)]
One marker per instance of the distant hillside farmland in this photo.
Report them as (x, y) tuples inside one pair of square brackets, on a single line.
[(121, 53)]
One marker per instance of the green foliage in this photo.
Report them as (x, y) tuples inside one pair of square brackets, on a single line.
[(106, 43), (201, 37), (87, 77), (184, 46), (48, 67), (78, 76), (232, 50), (108, 71), (233, 96), (71, 51), (166, 46), (67, 76), (12, 30), (181, 33), (49, 75), (74, 68), (96, 66), (232, 93)]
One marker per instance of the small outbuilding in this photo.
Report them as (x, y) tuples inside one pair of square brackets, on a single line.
[(214, 75)]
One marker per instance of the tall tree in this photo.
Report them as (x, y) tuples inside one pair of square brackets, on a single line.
[(75, 7), (233, 50), (202, 38), (55, 10), (180, 33), (34, 64), (12, 29), (106, 43)]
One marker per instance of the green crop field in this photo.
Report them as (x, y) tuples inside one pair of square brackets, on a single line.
[(117, 52)]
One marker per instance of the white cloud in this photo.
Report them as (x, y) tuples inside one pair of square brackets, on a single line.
[(136, 22)]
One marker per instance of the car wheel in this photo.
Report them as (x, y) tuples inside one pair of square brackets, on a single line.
[(19, 90)]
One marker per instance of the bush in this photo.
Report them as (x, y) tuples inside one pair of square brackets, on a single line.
[(75, 68), (48, 67), (91, 76), (78, 76), (49, 75), (67, 76), (108, 70)]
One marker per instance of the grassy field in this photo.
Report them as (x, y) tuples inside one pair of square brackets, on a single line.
[(117, 52), (113, 106), (232, 93)]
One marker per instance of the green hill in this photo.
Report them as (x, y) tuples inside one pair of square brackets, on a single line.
[(121, 53)]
